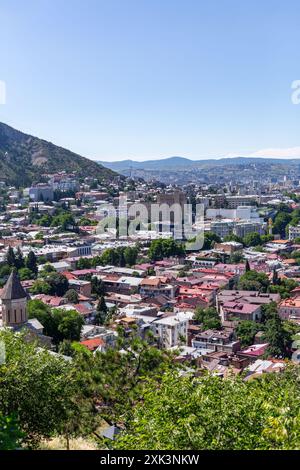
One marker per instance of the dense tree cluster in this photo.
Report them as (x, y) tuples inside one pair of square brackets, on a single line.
[(42, 392), (121, 256), (62, 218), (277, 333), (26, 267), (211, 413), (208, 318), (253, 280), (210, 239), (137, 387), (59, 324), (165, 248), (52, 283)]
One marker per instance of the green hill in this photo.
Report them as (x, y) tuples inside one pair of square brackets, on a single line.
[(24, 159)]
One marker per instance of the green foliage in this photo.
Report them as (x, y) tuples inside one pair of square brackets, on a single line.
[(25, 274), (165, 248), (40, 287), (233, 238), (73, 349), (211, 413), (19, 259), (58, 283), (84, 221), (268, 311), (252, 239), (10, 434), (210, 239), (281, 221), (60, 324), (119, 377), (102, 311), (72, 296), (278, 337), (84, 263), (259, 249), (113, 256), (130, 255), (277, 332), (246, 331), (42, 391), (121, 256), (98, 287), (283, 287), (47, 268), (5, 270), (208, 318), (27, 269), (10, 257), (65, 220), (266, 238), (236, 257), (253, 280), (67, 324), (45, 220), (31, 262)]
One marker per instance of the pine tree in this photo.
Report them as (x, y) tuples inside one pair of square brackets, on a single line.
[(31, 262), (247, 268), (10, 257), (275, 277), (19, 262), (101, 312)]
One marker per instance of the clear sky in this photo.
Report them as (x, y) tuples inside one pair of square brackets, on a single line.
[(117, 79)]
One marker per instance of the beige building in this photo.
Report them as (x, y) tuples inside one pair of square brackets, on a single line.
[(13, 302)]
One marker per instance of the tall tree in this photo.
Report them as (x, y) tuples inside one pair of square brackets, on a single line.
[(278, 338), (246, 331), (10, 257), (19, 259), (31, 262), (98, 287), (247, 266), (58, 282), (101, 313)]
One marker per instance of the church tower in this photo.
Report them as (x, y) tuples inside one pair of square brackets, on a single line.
[(14, 302)]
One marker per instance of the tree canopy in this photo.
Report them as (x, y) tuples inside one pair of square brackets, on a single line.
[(208, 318), (211, 413), (165, 248), (42, 391)]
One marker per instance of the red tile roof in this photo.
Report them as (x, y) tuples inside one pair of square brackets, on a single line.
[(93, 343)]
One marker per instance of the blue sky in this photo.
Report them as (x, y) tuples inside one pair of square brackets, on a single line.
[(117, 79)]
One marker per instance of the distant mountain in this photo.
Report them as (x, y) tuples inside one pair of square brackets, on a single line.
[(164, 164), (173, 163), (24, 158)]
